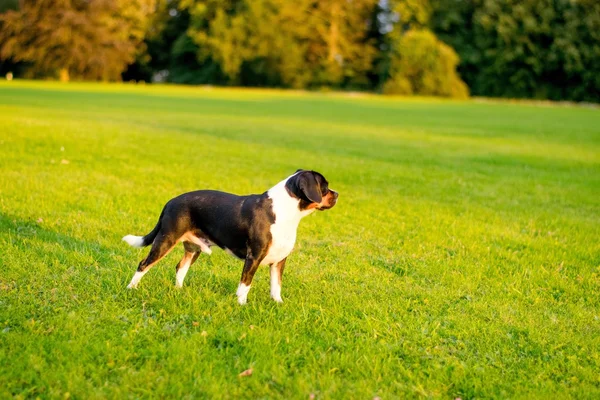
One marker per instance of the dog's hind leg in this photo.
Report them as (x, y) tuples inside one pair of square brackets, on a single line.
[(161, 246), (191, 255)]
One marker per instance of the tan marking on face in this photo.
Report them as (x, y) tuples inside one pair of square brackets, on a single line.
[(327, 201), (312, 206)]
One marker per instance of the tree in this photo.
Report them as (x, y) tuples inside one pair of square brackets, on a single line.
[(6, 5), (83, 39), (8, 65), (297, 44), (390, 22), (424, 65), (574, 58), (411, 60), (544, 49), (172, 55)]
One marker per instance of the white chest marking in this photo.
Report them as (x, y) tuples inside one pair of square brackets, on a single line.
[(287, 218), (284, 238)]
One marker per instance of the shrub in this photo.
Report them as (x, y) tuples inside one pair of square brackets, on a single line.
[(422, 64)]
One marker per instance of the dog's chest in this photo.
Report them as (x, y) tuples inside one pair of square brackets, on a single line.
[(283, 236), (283, 231)]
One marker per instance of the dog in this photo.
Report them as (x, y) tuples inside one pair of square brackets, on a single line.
[(259, 228)]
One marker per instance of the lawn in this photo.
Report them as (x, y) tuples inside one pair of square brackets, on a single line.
[(462, 259)]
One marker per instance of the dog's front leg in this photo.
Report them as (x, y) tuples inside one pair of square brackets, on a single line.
[(250, 266), (276, 277)]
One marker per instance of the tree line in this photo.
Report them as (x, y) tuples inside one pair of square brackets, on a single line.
[(544, 49)]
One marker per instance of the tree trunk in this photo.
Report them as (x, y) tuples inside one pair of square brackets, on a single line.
[(63, 75)]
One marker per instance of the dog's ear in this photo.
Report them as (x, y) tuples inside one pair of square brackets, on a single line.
[(298, 170), (309, 186)]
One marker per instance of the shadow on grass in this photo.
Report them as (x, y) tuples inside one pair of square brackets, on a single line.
[(21, 232), (43, 258)]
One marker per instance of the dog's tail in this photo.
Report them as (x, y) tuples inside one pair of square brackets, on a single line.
[(143, 241)]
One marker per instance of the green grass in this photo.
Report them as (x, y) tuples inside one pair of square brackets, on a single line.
[(462, 260)]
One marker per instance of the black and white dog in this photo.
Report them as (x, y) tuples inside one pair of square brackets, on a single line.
[(259, 228)]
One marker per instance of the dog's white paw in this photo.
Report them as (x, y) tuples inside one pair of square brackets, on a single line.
[(242, 293), (277, 299)]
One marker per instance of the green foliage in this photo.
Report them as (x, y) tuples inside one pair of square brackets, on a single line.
[(461, 261), (6, 5), (543, 49), (184, 66), (172, 52), (424, 65), (410, 59), (412, 14), (534, 48), (297, 44)]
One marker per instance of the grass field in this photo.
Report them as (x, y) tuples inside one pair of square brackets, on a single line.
[(462, 260)]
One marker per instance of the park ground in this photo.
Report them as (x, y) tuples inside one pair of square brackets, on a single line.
[(462, 259)]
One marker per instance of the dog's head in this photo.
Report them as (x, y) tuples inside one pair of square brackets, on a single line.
[(312, 189)]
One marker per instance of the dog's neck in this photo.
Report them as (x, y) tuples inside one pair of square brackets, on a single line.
[(285, 206)]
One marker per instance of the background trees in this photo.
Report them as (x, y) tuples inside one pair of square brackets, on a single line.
[(524, 48), (86, 39), (424, 65), (305, 43), (511, 48)]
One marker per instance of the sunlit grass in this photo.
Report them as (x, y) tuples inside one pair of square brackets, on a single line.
[(463, 259)]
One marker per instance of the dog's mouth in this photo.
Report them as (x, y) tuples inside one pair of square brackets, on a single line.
[(327, 206), (331, 201)]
